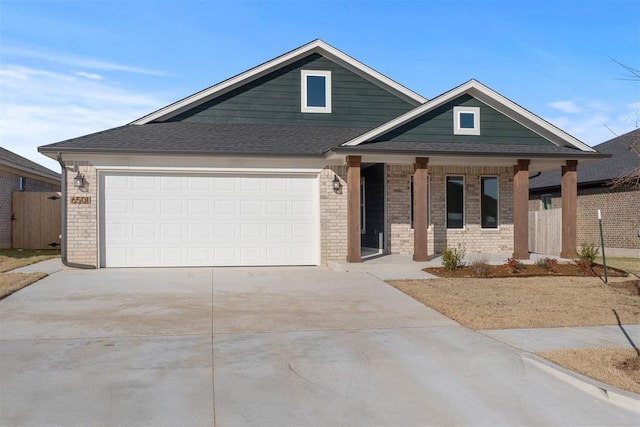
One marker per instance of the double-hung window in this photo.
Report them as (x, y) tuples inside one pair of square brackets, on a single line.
[(316, 91)]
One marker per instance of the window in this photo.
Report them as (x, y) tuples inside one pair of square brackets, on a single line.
[(466, 120), (22, 183), (455, 202), (316, 91), (489, 201), (363, 216), (428, 201)]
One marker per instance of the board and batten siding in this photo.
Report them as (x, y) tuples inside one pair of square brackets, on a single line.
[(275, 99), (437, 126)]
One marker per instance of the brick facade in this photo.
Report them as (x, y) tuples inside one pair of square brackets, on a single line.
[(472, 236), (82, 225), (10, 182), (333, 215), (620, 213)]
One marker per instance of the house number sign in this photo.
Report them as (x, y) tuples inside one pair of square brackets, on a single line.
[(81, 200)]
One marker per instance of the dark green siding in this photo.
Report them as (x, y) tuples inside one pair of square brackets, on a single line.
[(437, 126), (275, 99)]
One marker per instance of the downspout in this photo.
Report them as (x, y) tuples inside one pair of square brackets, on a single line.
[(63, 209), (536, 175)]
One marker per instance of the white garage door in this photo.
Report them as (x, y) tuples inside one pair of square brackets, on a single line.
[(171, 220)]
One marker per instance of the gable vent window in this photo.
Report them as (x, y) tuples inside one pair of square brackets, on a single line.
[(466, 120), (316, 91)]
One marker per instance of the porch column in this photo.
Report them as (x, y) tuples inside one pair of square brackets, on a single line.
[(521, 209), (569, 194), (420, 209), (353, 209)]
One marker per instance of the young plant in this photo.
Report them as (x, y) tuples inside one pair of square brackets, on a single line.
[(452, 258), (588, 252), (548, 264), (481, 267), (585, 267), (514, 264)]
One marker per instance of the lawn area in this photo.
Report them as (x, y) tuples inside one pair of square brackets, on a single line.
[(544, 302), (11, 259), (631, 265)]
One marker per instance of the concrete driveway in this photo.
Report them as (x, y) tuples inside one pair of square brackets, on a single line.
[(261, 347)]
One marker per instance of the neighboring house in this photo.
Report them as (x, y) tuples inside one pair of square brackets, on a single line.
[(20, 174), (309, 157), (620, 207)]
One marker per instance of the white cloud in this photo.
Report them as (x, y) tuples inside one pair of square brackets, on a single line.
[(568, 107), (92, 76), (40, 107), (74, 60), (597, 122)]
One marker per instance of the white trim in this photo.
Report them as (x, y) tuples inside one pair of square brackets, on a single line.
[(316, 46), (493, 100), (464, 201), (457, 129), (363, 207), (303, 91), (497, 177)]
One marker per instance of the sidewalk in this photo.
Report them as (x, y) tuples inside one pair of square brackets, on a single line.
[(537, 340), (49, 266)]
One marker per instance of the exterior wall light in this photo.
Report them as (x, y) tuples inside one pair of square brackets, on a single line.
[(337, 187), (78, 181)]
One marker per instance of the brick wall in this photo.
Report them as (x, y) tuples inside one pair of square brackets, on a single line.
[(82, 227), (10, 182), (620, 213), (333, 216), (472, 236)]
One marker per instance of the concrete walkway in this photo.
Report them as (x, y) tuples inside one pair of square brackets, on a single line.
[(49, 266)]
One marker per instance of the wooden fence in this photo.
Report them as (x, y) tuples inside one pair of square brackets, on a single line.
[(35, 218), (545, 232)]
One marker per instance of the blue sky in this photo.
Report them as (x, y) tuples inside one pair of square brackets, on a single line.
[(73, 67)]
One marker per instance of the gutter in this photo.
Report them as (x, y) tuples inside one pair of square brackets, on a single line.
[(63, 235)]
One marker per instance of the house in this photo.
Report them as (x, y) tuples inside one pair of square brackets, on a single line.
[(310, 157), (619, 206), (20, 174)]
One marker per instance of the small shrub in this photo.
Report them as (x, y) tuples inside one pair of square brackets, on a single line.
[(588, 252), (452, 258), (481, 267), (547, 263), (585, 267), (514, 264)]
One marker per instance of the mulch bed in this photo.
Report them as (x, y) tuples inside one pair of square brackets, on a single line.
[(529, 270)]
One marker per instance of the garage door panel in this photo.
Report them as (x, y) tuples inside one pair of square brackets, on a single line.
[(166, 220)]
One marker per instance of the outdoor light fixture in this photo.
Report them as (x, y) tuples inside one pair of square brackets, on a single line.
[(336, 184), (78, 181)]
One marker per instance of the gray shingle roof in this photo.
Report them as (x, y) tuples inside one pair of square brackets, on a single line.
[(11, 159), (622, 160), (205, 138), (452, 148)]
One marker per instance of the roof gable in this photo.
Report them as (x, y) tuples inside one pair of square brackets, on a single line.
[(317, 47), (488, 97)]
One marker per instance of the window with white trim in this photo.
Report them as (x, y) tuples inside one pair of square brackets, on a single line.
[(455, 202), (316, 91), (466, 120), (489, 202), (428, 201)]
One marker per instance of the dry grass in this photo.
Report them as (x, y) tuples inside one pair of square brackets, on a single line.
[(11, 259), (631, 265), (12, 282), (602, 364), (533, 302)]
